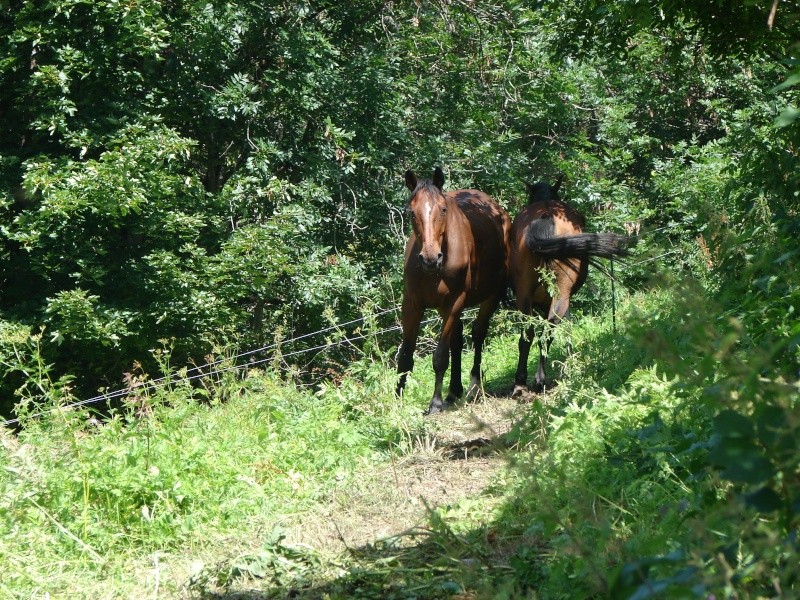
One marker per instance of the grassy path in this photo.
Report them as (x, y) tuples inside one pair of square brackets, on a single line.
[(266, 489), (392, 504), (456, 461)]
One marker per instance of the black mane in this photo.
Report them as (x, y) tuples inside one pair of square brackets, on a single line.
[(541, 192)]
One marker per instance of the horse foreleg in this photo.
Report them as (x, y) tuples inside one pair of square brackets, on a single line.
[(440, 360), (456, 347), (479, 330), (441, 356), (411, 317)]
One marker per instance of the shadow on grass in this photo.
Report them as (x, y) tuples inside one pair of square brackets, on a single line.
[(431, 561), (420, 563), (436, 560)]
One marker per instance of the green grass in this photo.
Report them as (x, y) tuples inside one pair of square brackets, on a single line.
[(170, 473), (607, 488)]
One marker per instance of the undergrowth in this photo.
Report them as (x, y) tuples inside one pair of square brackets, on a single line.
[(170, 471), (656, 465)]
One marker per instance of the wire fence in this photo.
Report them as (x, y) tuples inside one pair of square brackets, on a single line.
[(208, 369)]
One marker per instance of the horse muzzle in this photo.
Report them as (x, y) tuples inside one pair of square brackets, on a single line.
[(431, 264)]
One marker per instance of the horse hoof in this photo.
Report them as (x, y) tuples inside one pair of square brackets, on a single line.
[(519, 390), (434, 408), (539, 388)]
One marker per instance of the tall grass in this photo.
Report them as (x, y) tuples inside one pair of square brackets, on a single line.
[(83, 499), (619, 480)]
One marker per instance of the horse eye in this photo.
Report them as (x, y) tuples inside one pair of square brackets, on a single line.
[(444, 209)]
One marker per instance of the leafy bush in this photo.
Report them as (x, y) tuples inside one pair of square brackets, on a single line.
[(228, 173)]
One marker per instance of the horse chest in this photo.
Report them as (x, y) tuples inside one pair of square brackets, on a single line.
[(435, 289)]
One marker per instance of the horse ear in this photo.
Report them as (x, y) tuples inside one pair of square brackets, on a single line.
[(438, 177), (528, 188), (411, 180), (558, 182)]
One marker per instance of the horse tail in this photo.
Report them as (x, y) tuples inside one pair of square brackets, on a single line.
[(542, 240)]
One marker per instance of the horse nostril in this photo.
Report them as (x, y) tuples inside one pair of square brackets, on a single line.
[(429, 263), (439, 258)]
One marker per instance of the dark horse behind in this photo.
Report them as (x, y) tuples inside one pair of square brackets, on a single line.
[(455, 257), (547, 236)]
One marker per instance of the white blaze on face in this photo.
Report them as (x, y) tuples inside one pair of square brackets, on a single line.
[(431, 242), (429, 230), (429, 211)]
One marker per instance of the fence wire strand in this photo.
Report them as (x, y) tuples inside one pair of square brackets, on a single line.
[(198, 370), (161, 382)]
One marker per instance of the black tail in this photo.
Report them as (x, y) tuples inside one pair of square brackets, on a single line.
[(541, 239)]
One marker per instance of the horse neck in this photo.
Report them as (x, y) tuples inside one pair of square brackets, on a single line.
[(456, 228), (455, 219)]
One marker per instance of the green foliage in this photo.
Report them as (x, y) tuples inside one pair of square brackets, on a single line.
[(228, 172), (280, 564), (165, 468)]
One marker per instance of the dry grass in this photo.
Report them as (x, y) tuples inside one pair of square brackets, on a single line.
[(389, 506)]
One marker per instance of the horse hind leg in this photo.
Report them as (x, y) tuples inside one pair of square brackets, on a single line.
[(479, 330), (559, 310), (568, 317), (521, 376), (540, 380)]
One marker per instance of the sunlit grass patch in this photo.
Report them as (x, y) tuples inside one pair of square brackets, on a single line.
[(168, 471)]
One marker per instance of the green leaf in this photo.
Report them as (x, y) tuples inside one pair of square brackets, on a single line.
[(741, 460), (764, 500), (729, 423)]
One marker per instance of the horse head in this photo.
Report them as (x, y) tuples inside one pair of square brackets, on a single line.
[(543, 191), (427, 208)]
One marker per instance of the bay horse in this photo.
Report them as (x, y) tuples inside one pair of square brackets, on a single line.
[(549, 262), (456, 257)]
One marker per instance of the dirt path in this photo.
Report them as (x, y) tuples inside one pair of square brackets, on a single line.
[(463, 452), (457, 461)]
